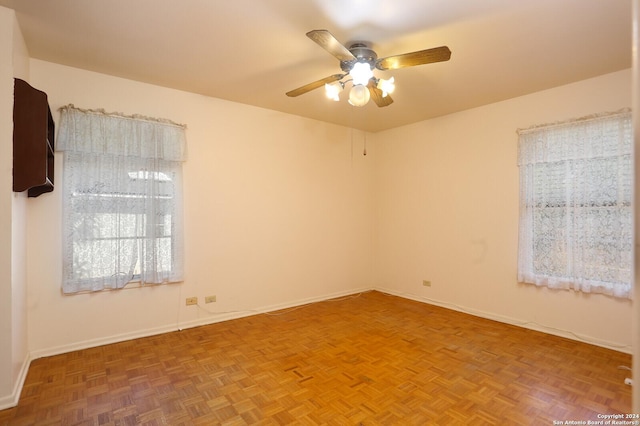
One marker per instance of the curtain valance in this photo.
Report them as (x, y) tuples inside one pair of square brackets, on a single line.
[(592, 137), (99, 132)]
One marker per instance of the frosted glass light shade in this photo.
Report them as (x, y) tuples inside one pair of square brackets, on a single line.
[(387, 86), (333, 90), (359, 95), (361, 72)]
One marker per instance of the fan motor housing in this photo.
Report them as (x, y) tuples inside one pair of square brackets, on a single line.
[(362, 53)]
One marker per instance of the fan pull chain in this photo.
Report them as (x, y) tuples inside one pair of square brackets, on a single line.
[(365, 145), (364, 134)]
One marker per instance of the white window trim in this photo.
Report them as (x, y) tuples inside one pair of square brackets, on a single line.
[(543, 145), (133, 167)]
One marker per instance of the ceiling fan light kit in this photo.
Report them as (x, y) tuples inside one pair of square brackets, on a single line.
[(333, 90), (359, 95), (387, 86), (358, 62), (360, 73)]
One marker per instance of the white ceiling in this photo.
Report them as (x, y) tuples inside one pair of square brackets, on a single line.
[(253, 51)]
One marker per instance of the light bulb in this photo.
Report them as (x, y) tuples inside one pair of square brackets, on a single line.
[(361, 73), (387, 86), (359, 95), (332, 90)]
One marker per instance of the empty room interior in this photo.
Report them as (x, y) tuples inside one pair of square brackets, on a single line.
[(371, 255)]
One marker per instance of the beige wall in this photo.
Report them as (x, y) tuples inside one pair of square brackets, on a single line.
[(14, 355), (281, 210), (19, 344), (6, 153), (447, 204), (277, 212)]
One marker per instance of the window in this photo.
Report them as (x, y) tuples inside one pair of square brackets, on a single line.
[(122, 200), (576, 207)]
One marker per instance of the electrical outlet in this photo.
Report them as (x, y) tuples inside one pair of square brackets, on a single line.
[(192, 301), (209, 299), (426, 283)]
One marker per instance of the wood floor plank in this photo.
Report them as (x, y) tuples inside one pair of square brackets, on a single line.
[(371, 359)]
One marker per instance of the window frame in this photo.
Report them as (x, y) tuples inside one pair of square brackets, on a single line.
[(122, 200), (585, 157)]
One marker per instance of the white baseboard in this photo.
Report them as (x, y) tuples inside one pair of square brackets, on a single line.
[(12, 400), (513, 321), (230, 315), (211, 319)]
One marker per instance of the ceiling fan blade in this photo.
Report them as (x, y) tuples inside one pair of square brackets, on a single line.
[(311, 86), (376, 95), (421, 57), (329, 43)]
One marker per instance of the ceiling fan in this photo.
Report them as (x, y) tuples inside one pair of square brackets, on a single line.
[(358, 62)]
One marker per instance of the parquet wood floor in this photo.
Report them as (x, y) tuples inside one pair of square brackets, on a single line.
[(374, 359)]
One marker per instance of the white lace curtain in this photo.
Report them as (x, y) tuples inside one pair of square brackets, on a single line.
[(576, 205), (122, 199)]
